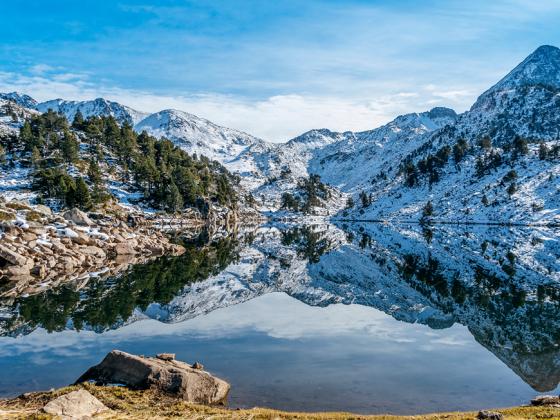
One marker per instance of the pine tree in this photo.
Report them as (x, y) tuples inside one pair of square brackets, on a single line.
[(78, 122), (428, 210), (70, 147), (485, 201), (26, 136), (543, 151), (512, 189), (349, 202), (36, 157), (174, 200), (82, 197), (94, 173)]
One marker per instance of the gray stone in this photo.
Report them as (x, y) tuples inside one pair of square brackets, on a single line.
[(44, 210), (198, 365), (546, 400), (11, 256), (171, 376), (489, 415), (78, 404), (166, 356), (78, 217)]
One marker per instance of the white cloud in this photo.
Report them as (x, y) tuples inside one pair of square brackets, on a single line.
[(276, 118)]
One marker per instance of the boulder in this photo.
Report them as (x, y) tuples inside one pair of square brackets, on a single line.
[(75, 405), (124, 249), (165, 356), (489, 415), (44, 210), (170, 376), (546, 400), (78, 217), (11, 256)]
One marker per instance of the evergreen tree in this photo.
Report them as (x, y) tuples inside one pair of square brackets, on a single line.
[(78, 122), (69, 147), (94, 173), (428, 210), (289, 202), (82, 197), (349, 202), (36, 157), (512, 189), (543, 151), (174, 201)]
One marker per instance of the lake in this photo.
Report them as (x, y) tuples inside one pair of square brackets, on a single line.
[(359, 317)]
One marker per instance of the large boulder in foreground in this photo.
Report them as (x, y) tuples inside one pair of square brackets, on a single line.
[(170, 376), (75, 405)]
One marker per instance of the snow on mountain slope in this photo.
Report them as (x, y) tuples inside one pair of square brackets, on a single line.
[(524, 104), (196, 134), (96, 107), (22, 100), (12, 114), (361, 157)]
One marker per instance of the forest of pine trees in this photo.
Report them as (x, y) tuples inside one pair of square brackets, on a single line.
[(70, 164)]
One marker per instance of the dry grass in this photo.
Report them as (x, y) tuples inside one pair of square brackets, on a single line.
[(127, 404)]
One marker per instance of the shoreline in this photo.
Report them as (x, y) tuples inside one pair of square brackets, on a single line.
[(124, 403)]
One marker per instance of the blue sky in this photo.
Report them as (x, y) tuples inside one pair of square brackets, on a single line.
[(272, 68)]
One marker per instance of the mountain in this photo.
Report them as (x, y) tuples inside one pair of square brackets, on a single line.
[(95, 107), (12, 114), (496, 162), (197, 135), (503, 153), (22, 100)]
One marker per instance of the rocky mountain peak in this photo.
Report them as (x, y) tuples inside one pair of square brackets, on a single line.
[(540, 69), (20, 99)]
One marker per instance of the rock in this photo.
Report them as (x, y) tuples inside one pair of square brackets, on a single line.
[(39, 271), (28, 236), (124, 249), (44, 210), (166, 356), (82, 239), (11, 256), (546, 400), (75, 405), (93, 250), (170, 376), (198, 365), (78, 217), (17, 270), (490, 415)]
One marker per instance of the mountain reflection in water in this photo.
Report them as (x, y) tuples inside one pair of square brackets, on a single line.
[(502, 284)]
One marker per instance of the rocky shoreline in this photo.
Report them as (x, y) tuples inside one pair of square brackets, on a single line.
[(39, 248)]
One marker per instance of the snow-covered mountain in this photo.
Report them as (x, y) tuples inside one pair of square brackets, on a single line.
[(12, 114), (95, 107), (501, 178), (197, 135), (24, 101), (497, 162)]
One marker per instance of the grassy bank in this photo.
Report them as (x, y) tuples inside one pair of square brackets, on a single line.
[(127, 404)]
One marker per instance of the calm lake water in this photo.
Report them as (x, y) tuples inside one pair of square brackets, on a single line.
[(364, 317)]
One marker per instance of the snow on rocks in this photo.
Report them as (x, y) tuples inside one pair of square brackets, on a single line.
[(53, 249)]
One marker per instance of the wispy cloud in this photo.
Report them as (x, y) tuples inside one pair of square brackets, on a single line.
[(275, 118), (348, 65)]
